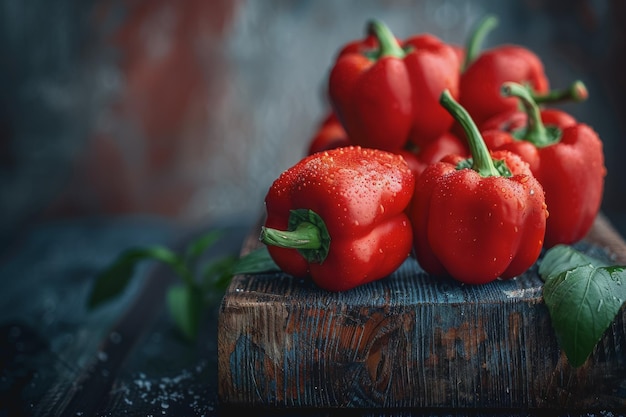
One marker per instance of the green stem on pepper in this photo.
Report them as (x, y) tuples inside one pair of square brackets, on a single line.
[(576, 92), (535, 131), (388, 45), (475, 42), (307, 233), (481, 158), (305, 236)]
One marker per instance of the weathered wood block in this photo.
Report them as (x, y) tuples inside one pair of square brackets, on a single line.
[(411, 340)]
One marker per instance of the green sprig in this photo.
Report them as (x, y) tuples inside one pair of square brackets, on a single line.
[(200, 285)]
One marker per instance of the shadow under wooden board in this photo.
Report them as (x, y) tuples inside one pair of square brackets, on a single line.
[(411, 340)]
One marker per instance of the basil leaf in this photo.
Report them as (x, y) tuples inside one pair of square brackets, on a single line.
[(583, 296), (218, 273), (113, 280), (185, 304), (561, 258), (199, 245), (255, 262)]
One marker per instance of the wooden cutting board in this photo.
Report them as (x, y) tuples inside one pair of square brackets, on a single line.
[(409, 341)]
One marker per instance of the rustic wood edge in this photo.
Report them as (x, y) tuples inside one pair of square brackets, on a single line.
[(603, 236)]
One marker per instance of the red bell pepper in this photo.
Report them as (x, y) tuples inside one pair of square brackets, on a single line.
[(565, 156), (360, 46), (420, 158), (477, 219), (329, 135), (388, 95), (485, 72), (339, 217)]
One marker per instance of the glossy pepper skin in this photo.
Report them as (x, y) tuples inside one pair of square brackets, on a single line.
[(387, 96), (358, 196), (485, 72), (565, 156), (481, 219)]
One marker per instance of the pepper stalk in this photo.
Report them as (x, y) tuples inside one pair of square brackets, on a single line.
[(306, 232), (576, 92), (388, 45), (474, 44), (535, 131), (480, 160)]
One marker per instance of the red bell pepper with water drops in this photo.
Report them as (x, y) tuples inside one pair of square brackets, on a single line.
[(477, 219), (388, 95), (339, 217), (565, 156)]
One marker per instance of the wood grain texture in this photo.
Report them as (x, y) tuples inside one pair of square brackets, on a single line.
[(410, 340)]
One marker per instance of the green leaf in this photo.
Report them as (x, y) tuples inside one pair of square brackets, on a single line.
[(185, 304), (114, 279), (201, 244), (255, 262), (561, 258), (218, 273), (583, 296)]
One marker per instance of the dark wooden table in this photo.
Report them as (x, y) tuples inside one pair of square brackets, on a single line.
[(59, 359)]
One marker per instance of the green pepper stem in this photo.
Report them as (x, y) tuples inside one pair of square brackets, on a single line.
[(576, 92), (307, 233), (388, 44), (535, 131), (481, 158), (305, 236), (476, 39)]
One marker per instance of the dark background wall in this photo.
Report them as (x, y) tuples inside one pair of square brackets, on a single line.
[(190, 109)]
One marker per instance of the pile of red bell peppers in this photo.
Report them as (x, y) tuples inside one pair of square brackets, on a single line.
[(456, 156)]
